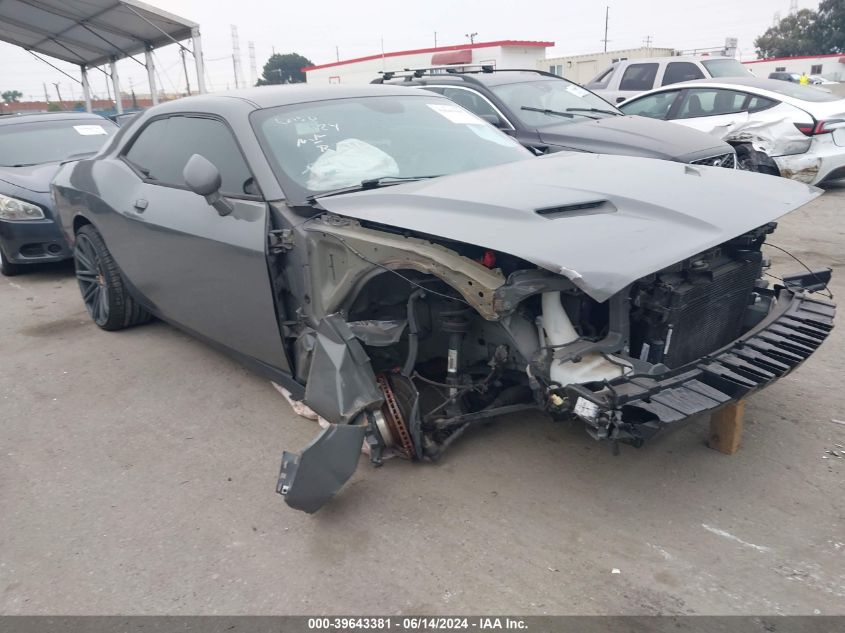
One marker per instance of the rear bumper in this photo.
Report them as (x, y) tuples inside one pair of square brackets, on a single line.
[(633, 409), (33, 242)]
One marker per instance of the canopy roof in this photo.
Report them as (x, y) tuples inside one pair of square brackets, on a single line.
[(89, 32)]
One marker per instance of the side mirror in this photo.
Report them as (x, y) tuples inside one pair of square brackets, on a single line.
[(203, 178), (493, 120)]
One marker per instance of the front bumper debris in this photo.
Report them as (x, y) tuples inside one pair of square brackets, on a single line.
[(632, 409), (322, 468)]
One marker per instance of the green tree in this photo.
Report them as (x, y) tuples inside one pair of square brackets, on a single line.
[(829, 29), (796, 34), (284, 69), (11, 96)]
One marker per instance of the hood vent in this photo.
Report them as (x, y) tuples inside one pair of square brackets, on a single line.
[(577, 209)]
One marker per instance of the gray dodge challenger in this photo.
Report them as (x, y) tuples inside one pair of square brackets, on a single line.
[(407, 271)]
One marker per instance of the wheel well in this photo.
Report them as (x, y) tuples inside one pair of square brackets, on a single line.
[(78, 222)]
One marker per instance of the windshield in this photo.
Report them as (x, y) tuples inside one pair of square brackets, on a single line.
[(45, 141), (725, 68), (550, 94), (326, 145)]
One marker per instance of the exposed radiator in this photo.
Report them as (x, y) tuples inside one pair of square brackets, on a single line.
[(685, 315)]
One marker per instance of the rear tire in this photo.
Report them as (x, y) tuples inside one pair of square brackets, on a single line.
[(104, 292)]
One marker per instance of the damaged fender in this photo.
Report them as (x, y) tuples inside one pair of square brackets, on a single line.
[(341, 385), (341, 382), (774, 138)]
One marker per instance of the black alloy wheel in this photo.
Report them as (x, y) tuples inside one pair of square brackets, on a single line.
[(104, 292)]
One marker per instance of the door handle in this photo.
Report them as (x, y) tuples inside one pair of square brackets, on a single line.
[(141, 205)]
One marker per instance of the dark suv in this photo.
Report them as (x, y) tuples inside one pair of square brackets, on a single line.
[(548, 113)]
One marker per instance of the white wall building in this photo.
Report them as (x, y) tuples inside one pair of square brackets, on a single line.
[(582, 68), (501, 54), (828, 66)]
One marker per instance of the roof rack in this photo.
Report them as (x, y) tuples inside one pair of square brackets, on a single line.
[(409, 74)]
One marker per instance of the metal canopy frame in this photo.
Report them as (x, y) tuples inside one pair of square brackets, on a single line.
[(91, 33)]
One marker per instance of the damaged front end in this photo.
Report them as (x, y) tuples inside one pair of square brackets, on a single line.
[(407, 363), (613, 308)]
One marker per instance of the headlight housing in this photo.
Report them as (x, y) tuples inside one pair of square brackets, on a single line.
[(14, 209)]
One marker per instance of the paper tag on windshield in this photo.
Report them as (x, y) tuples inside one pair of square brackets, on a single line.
[(578, 91), (455, 113), (89, 130)]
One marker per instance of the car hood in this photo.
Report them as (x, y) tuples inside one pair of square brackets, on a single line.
[(634, 136), (35, 178), (602, 221)]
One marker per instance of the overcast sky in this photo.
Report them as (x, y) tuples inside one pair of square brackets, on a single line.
[(315, 28)]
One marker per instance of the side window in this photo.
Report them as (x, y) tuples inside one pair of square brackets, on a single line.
[(164, 147), (701, 102), (143, 154), (677, 72), (655, 106), (470, 100), (758, 103), (816, 69), (638, 77)]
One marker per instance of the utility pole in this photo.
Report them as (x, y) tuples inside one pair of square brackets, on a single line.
[(253, 69), (647, 41), (435, 39), (185, 68), (471, 37), (236, 57), (46, 94), (606, 21), (59, 92), (337, 54)]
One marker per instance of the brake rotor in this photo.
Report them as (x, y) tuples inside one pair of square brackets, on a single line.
[(394, 418)]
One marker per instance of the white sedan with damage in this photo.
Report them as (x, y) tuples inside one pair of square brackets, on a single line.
[(776, 127)]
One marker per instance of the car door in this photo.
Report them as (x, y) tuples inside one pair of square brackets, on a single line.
[(636, 78), (205, 272), (706, 109), (676, 72)]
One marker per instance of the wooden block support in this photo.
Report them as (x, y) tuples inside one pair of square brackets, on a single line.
[(726, 428)]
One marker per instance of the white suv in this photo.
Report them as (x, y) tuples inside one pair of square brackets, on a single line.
[(629, 77)]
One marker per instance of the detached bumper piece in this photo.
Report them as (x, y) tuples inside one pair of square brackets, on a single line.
[(633, 409), (310, 479)]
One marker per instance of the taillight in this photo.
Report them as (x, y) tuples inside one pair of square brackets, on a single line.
[(807, 129), (826, 127)]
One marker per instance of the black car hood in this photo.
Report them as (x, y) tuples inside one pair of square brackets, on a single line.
[(634, 136), (35, 178), (601, 221)]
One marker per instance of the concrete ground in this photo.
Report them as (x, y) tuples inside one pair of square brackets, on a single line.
[(137, 474)]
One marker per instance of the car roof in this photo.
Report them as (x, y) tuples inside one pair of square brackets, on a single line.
[(771, 88), (278, 95), (759, 83), (12, 119), (677, 58)]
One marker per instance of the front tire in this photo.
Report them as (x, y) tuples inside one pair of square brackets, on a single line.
[(103, 291), (8, 268)]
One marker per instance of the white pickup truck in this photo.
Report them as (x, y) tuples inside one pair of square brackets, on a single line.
[(629, 77)]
